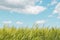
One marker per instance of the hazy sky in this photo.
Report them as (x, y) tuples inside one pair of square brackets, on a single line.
[(28, 12)]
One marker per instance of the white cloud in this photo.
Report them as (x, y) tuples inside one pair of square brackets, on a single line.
[(18, 22), (34, 9), (7, 22), (57, 10), (4, 8), (21, 6), (50, 15), (40, 22), (53, 2), (58, 17), (14, 2), (21, 2)]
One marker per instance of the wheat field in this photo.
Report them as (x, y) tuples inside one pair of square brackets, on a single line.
[(34, 33)]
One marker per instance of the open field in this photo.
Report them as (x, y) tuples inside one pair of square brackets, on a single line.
[(34, 33)]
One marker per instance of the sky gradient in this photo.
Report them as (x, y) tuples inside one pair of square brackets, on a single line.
[(29, 12)]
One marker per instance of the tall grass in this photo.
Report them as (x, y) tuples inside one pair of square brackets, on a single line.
[(34, 33)]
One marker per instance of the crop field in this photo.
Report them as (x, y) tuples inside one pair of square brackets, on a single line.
[(34, 33)]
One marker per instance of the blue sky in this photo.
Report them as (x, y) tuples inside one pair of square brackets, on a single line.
[(29, 12)]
